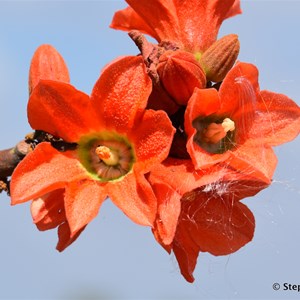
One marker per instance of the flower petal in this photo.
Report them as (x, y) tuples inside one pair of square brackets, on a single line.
[(181, 175), (58, 108), (203, 103), (277, 120), (48, 211), (43, 170), (120, 95), (135, 197), (83, 199), (178, 20), (48, 64), (211, 223), (217, 224), (168, 212), (65, 238), (239, 94), (186, 252), (160, 15), (254, 159), (127, 19), (209, 13), (152, 138), (234, 10)]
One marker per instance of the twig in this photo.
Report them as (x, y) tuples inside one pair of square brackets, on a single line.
[(10, 158)]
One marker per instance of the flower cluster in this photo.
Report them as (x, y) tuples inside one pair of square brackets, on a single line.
[(175, 137)]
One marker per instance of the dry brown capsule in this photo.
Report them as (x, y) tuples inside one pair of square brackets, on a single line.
[(220, 57)]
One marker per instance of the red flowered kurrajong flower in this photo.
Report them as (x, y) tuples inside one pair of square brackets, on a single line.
[(117, 143), (188, 54), (192, 25), (199, 210), (48, 211), (238, 124), (213, 220)]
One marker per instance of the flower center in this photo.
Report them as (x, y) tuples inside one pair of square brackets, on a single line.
[(214, 135), (107, 158), (214, 132)]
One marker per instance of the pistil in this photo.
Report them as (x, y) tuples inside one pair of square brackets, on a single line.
[(214, 132), (108, 156)]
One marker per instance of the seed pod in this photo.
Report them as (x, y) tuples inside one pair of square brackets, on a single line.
[(180, 73), (219, 58)]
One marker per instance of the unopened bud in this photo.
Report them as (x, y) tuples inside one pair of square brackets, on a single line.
[(219, 58), (180, 73), (47, 64)]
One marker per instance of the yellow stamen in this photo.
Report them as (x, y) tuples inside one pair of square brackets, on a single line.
[(228, 125), (214, 132), (108, 156)]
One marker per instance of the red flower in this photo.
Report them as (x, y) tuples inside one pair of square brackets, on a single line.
[(192, 25), (213, 220), (199, 211), (118, 141), (238, 124)]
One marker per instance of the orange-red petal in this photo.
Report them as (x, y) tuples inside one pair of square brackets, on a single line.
[(214, 223), (178, 20), (121, 93), (200, 21), (48, 211), (48, 64), (65, 238), (43, 170), (167, 213), (239, 94), (203, 103), (217, 224), (186, 253), (58, 108), (254, 159), (135, 197), (181, 175), (83, 199), (152, 138), (277, 120), (127, 19), (160, 15)]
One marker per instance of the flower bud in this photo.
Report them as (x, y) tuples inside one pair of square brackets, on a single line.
[(180, 73), (219, 58), (47, 64)]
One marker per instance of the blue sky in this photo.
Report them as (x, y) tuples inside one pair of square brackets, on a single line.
[(114, 258)]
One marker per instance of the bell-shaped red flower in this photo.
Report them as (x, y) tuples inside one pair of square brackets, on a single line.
[(117, 143), (192, 25), (213, 220), (200, 210), (238, 125)]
